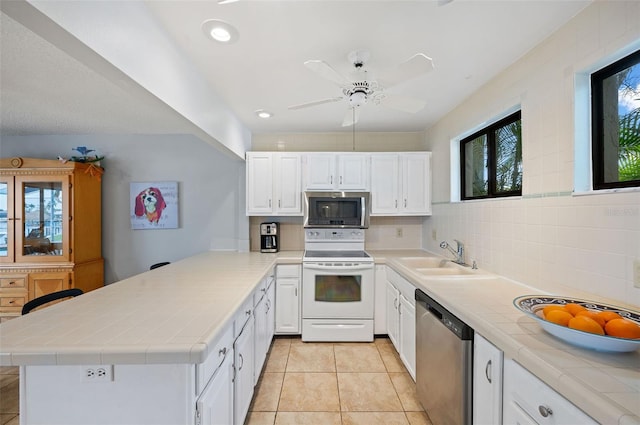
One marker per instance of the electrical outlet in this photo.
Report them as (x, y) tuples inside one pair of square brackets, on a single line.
[(636, 272), (101, 373), (434, 234), (398, 232)]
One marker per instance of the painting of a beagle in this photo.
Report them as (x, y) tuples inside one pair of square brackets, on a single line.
[(150, 204)]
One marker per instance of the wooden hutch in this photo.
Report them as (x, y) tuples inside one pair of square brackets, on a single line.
[(50, 229)]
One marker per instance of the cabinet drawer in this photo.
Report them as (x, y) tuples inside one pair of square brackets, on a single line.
[(13, 282), (288, 270), (222, 349), (12, 302)]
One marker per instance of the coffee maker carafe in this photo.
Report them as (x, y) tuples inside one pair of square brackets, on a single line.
[(269, 237)]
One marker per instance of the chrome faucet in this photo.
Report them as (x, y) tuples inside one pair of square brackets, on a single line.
[(458, 252)]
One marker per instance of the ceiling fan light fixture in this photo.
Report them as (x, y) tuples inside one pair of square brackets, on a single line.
[(220, 31), (357, 98)]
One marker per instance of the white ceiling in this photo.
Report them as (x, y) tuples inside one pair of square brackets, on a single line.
[(46, 91)]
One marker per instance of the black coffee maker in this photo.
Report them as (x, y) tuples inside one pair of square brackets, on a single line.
[(269, 237)]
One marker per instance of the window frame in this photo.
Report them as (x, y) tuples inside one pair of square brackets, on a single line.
[(597, 128), (489, 132)]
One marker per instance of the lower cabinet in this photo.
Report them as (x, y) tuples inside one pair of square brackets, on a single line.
[(401, 318), (393, 314), (215, 402), (528, 400), (243, 380), (264, 323), (408, 334), (487, 382), (287, 299)]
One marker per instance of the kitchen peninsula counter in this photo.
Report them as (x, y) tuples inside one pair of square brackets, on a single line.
[(172, 314)]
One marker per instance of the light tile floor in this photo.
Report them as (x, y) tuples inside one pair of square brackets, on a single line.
[(335, 383), (308, 384)]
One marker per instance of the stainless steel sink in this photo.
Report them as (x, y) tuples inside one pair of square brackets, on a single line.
[(435, 267)]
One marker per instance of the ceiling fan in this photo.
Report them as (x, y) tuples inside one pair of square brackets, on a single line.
[(363, 88)]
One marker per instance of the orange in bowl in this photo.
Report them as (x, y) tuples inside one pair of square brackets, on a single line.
[(550, 307), (559, 317), (609, 315), (623, 328), (594, 315), (586, 324), (574, 308)]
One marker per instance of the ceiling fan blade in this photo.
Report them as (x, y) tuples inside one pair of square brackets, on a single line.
[(351, 117), (325, 71), (402, 103), (417, 65), (315, 103)]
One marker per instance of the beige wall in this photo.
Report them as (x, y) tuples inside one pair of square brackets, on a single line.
[(339, 142), (548, 237)]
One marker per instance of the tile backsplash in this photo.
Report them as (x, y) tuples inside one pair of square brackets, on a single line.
[(383, 233)]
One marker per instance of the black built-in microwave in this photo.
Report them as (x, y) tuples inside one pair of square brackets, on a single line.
[(337, 209)]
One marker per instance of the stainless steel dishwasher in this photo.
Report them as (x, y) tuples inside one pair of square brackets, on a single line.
[(444, 363)]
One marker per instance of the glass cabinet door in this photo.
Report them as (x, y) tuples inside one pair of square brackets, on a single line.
[(42, 218), (6, 219)]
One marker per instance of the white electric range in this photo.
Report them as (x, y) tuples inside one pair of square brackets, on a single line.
[(337, 286)]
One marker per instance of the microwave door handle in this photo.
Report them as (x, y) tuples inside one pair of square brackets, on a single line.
[(338, 268)]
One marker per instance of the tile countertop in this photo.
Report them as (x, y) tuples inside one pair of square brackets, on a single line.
[(168, 315), (172, 314), (604, 385)]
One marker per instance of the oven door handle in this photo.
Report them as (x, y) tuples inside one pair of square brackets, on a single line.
[(312, 266)]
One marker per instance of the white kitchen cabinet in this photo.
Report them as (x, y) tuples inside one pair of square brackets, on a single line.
[(401, 318), (333, 171), (243, 351), (263, 331), (401, 183), (287, 301), (528, 400), (408, 334), (271, 311), (487, 382), (274, 183), (393, 315), (380, 301), (215, 404)]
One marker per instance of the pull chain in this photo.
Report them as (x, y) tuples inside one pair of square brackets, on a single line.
[(354, 127)]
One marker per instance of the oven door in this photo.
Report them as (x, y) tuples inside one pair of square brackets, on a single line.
[(337, 291)]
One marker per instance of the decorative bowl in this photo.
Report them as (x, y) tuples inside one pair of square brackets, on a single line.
[(532, 306)]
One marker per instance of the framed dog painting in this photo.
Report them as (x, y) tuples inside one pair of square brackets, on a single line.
[(154, 205)]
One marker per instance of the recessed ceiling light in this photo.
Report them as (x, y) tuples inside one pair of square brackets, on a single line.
[(263, 114), (220, 31)]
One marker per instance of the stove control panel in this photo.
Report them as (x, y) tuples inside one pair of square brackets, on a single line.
[(334, 235)]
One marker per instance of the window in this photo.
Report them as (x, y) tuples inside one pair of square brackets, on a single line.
[(615, 109), (491, 160)]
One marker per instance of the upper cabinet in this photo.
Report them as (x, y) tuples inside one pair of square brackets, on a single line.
[(337, 171), (274, 183), (50, 225), (401, 183)]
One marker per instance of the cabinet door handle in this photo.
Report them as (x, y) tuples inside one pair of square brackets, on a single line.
[(242, 364), (296, 291), (395, 303), (340, 179), (269, 203), (248, 312), (405, 203), (396, 203), (279, 203), (331, 179), (487, 371), (222, 352), (545, 411)]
